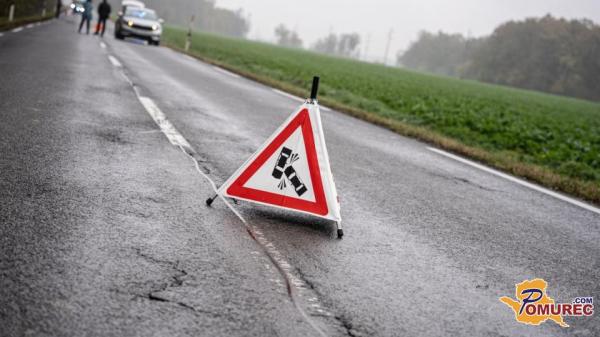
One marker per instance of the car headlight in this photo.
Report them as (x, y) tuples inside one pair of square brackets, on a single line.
[(130, 23), (154, 27)]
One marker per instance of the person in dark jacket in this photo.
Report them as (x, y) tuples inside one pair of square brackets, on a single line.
[(86, 16), (103, 14)]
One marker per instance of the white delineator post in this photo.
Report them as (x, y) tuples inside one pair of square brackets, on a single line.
[(188, 39), (11, 13)]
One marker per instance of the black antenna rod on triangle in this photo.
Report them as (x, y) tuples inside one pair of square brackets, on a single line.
[(315, 88)]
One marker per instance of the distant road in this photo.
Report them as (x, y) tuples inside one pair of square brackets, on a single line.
[(104, 229)]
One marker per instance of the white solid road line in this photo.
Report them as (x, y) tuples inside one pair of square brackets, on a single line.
[(227, 72), (18, 29), (102, 45), (114, 61), (295, 98), (517, 180)]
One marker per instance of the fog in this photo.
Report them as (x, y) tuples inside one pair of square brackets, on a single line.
[(373, 19)]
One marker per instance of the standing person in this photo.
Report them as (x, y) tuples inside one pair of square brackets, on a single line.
[(103, 14), (86, 16)]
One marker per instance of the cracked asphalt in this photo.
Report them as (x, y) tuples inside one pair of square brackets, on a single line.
[(104, 231)]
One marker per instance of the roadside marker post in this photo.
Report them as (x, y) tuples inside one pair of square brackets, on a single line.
[(188, 38), (291, 169), (11, 13)]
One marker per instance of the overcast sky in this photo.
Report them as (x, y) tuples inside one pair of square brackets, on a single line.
[(313, 19)]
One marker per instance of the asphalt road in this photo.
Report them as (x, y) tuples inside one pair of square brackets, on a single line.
[(104, 231)]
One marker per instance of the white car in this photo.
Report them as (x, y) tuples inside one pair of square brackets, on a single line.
[(141, 23)]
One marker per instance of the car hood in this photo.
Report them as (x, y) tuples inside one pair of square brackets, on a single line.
[(141, 22)]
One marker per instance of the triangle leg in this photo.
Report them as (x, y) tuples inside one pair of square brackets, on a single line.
[(210, 200), (340, 231)]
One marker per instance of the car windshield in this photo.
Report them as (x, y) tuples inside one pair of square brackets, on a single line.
[(141, 13)]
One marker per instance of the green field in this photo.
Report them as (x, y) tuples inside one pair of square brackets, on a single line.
[(549, 139)]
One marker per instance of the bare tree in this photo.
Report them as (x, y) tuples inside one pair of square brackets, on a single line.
[(344, 45), (286, 37)]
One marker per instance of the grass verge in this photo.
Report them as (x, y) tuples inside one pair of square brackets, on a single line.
[(551, 140), (6, 25)]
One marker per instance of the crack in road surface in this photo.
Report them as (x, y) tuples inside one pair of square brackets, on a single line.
[(463, 180), (177, 280)]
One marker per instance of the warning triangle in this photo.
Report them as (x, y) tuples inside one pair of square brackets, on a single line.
[(291, 170)]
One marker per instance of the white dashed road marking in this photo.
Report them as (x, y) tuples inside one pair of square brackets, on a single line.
[(18, 29), (102, 45), (31, 25), (163, 123), (114, 61), (517, 180)]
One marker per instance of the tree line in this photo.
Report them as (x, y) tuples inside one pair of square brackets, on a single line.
[(345, 44), (548, 54)]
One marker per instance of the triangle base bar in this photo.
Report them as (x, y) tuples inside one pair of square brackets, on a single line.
[(340, 231)]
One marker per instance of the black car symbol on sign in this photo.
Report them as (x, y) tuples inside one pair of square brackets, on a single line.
[(293, 177), (283, 157)]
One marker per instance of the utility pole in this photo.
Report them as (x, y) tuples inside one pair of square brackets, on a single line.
[(387, 46), (188, 39)]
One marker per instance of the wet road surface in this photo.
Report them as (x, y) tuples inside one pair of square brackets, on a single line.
[(104, 229)]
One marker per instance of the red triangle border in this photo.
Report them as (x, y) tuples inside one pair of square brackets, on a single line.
[(319, 206)]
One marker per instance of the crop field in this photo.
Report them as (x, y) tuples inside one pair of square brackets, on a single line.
[(552, 140)]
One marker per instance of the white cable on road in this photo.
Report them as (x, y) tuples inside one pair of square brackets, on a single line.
[(250, 230), (178, 140)]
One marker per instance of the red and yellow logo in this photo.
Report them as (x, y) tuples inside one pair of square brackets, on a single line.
[(534, 306)]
